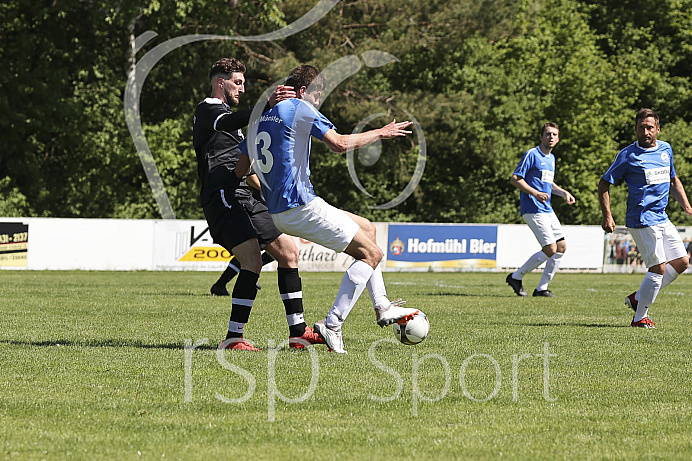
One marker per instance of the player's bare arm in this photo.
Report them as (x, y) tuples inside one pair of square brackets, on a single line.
[(677, 190), (242, 166), (522, 185), (342, 142), (608, 224), (560, 192), (253, 181)]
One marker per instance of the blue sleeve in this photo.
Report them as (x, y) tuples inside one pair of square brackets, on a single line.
[(617, 169), (242, 147), (524, 165), (311, 119), (672, 168)]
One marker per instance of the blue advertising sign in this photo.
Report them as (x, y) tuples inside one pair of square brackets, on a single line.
[(442, 246)]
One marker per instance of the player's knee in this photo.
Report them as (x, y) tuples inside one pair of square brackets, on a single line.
[(252, 263), (550, 250), (369, 229), (288, 258), (376, 255), (681, 265)]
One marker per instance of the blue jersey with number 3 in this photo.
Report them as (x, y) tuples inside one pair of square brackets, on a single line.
[(538, 170), (283, 152), (647, 173)]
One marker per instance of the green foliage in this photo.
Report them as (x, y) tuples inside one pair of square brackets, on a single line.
[(480, 77)]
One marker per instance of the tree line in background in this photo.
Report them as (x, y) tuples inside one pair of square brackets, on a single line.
[(480, 77)]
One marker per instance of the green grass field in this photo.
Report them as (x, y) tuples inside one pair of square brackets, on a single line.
[(93, 365)]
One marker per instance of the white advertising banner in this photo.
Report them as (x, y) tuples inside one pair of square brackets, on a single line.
[(516, 243), (177, 244)]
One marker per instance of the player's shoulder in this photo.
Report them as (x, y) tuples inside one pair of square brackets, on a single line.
[(212, 104), (629, 150), (663, 145), (287, 106)]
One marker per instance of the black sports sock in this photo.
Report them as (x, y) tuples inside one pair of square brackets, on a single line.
[(244, 293), (230, 272), (266, 258), (292, 297)]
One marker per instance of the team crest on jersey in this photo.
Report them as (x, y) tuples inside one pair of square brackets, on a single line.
[(665, 157)]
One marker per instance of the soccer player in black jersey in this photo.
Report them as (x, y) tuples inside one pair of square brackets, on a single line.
[(236, 213)]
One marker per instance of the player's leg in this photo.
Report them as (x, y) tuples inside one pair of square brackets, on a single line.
[(365, 273), (230, 226), (677, 257), (375, 284), (542, 230), (244, 292), (650, 242), (219, 287), (555, 253), (284, 249)]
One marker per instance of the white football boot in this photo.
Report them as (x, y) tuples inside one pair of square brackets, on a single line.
[(393, 313), (331, 336)]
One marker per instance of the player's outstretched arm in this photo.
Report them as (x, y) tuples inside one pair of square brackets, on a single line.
[(608, 224), (678, 192), (342, 142)]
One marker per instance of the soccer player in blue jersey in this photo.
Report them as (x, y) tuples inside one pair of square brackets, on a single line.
[(647, 168), (281, 149), (236, 213), (534, 178)]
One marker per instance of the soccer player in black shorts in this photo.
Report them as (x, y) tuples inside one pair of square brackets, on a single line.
[(238, 219)]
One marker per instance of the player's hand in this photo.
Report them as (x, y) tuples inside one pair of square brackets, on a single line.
[(542, 197), (281, 93), (395, 129), (608, 224), (570, 198)]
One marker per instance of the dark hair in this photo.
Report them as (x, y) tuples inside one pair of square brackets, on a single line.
[(645, 113), (225, 67), (549, 125), (306, 75)]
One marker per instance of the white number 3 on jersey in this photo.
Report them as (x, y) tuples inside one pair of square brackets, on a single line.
[(265, 159)]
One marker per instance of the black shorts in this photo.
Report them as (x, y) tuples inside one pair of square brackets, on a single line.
[(234, 219)]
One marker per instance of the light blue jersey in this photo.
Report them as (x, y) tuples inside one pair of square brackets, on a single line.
[(538, 170), (647, 173), (283, 152)]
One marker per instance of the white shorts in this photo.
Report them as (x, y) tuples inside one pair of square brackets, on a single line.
[(658, 244), (320, 223), (545, 226)]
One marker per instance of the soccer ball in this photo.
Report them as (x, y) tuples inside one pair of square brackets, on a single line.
[(412, 331)]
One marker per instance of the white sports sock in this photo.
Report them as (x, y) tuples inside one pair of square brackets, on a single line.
[(533, 262), (648, 291), (352, 285), (669, 276), (549, 272), (378, 292)]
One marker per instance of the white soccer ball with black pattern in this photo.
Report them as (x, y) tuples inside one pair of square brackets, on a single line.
[(412, 331)]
